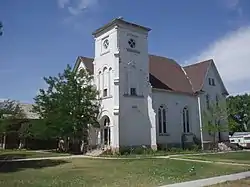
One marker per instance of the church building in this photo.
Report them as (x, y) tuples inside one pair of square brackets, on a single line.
[(148, 100)]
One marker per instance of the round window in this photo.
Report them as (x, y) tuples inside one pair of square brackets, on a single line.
[(106, 43), (131, 43)]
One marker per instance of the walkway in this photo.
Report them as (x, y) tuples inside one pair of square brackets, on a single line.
[(211, 181)]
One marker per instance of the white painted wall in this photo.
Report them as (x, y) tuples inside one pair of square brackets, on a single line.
[(175, 104), (135, 118), (105, 59), (212, 91)]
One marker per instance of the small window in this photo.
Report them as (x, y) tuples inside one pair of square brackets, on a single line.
[(131, 43), (209, 81), (132, 91), (105, 92), (213, 83)]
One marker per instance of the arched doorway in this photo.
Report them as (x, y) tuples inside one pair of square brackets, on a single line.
[(105, 131)]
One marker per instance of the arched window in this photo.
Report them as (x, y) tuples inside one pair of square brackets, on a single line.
[(217, 100), (109, 81), (105, 82), (185, 116), (162, 119), (99, 80), (208, 101), (132, 79)]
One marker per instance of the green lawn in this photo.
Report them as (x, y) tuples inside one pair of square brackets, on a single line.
[(151, 154), (235, 157), (109, 173), (20, 154)]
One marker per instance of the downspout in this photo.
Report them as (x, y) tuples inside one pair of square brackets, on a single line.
[(200, 121)]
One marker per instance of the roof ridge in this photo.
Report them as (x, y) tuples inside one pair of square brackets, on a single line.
[(197, 63)]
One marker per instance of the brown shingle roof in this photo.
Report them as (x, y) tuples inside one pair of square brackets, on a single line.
[(197, 73), (167, 74), (170, 73)]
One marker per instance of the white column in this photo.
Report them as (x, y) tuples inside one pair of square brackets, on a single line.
[(200, 121)]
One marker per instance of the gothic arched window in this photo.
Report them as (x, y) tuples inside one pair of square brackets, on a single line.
[(185, 116), (162, 119)]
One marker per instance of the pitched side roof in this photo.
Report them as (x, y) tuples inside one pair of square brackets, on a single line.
[(170, 73), (167, 74), (197, 73)]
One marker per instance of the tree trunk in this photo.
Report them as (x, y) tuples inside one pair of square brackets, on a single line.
[(4, 140), (21, 143)]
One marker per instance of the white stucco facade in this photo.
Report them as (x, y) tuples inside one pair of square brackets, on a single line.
[(133, 112)]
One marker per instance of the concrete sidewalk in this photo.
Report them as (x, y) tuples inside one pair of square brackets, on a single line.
[(211, 181)]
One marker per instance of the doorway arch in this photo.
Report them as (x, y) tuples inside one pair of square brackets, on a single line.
[(105, 131)]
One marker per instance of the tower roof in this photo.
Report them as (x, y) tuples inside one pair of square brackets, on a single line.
[(120, 21)]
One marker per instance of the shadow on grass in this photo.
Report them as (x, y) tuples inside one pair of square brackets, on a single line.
[(15, 166), (12, 156)]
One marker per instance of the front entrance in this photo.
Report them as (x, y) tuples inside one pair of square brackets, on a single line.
[(105, 131)]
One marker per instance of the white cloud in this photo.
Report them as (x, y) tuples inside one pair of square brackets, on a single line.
[(76, 7), (63, 3), (231, 4), (231, 54)]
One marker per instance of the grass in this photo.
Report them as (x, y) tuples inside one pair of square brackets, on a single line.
[(149, 153), (21, 154), (109, 173), (234, 157), (238, 183)]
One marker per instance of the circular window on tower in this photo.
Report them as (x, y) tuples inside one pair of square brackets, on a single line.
[(106, 43), (131, 43)]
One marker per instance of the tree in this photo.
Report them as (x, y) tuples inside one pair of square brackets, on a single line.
[(11, 118), (215, 120), (1, 28), (69, 106), (239, 112)]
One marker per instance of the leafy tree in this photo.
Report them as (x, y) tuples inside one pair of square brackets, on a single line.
[(69, 106), (215, 120), (239, 112), (1, 28), (11, 118)]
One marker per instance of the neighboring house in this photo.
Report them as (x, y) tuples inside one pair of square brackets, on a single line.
[(146, 99), (27, 108)]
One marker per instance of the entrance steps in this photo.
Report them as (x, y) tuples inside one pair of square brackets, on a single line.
[(95, 152)]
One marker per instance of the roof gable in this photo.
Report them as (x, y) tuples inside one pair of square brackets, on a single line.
[(217, 74), (87, 62), (197, 73)]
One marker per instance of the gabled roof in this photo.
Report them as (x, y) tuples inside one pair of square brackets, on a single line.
[(167, 74), (88, 63), (197, 73)]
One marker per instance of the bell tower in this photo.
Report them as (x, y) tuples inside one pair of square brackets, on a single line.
[(121, 53)]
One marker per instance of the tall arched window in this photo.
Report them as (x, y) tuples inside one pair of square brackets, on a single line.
[(132, 79), (185, 116), (217, 100), (105, 82), (208, 101), (162, 119), (109, 81)]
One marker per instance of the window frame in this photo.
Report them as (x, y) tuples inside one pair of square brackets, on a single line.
[(162, 120), (186, 120)]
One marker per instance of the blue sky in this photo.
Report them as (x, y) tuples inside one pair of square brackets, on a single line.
[(42, 36)]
